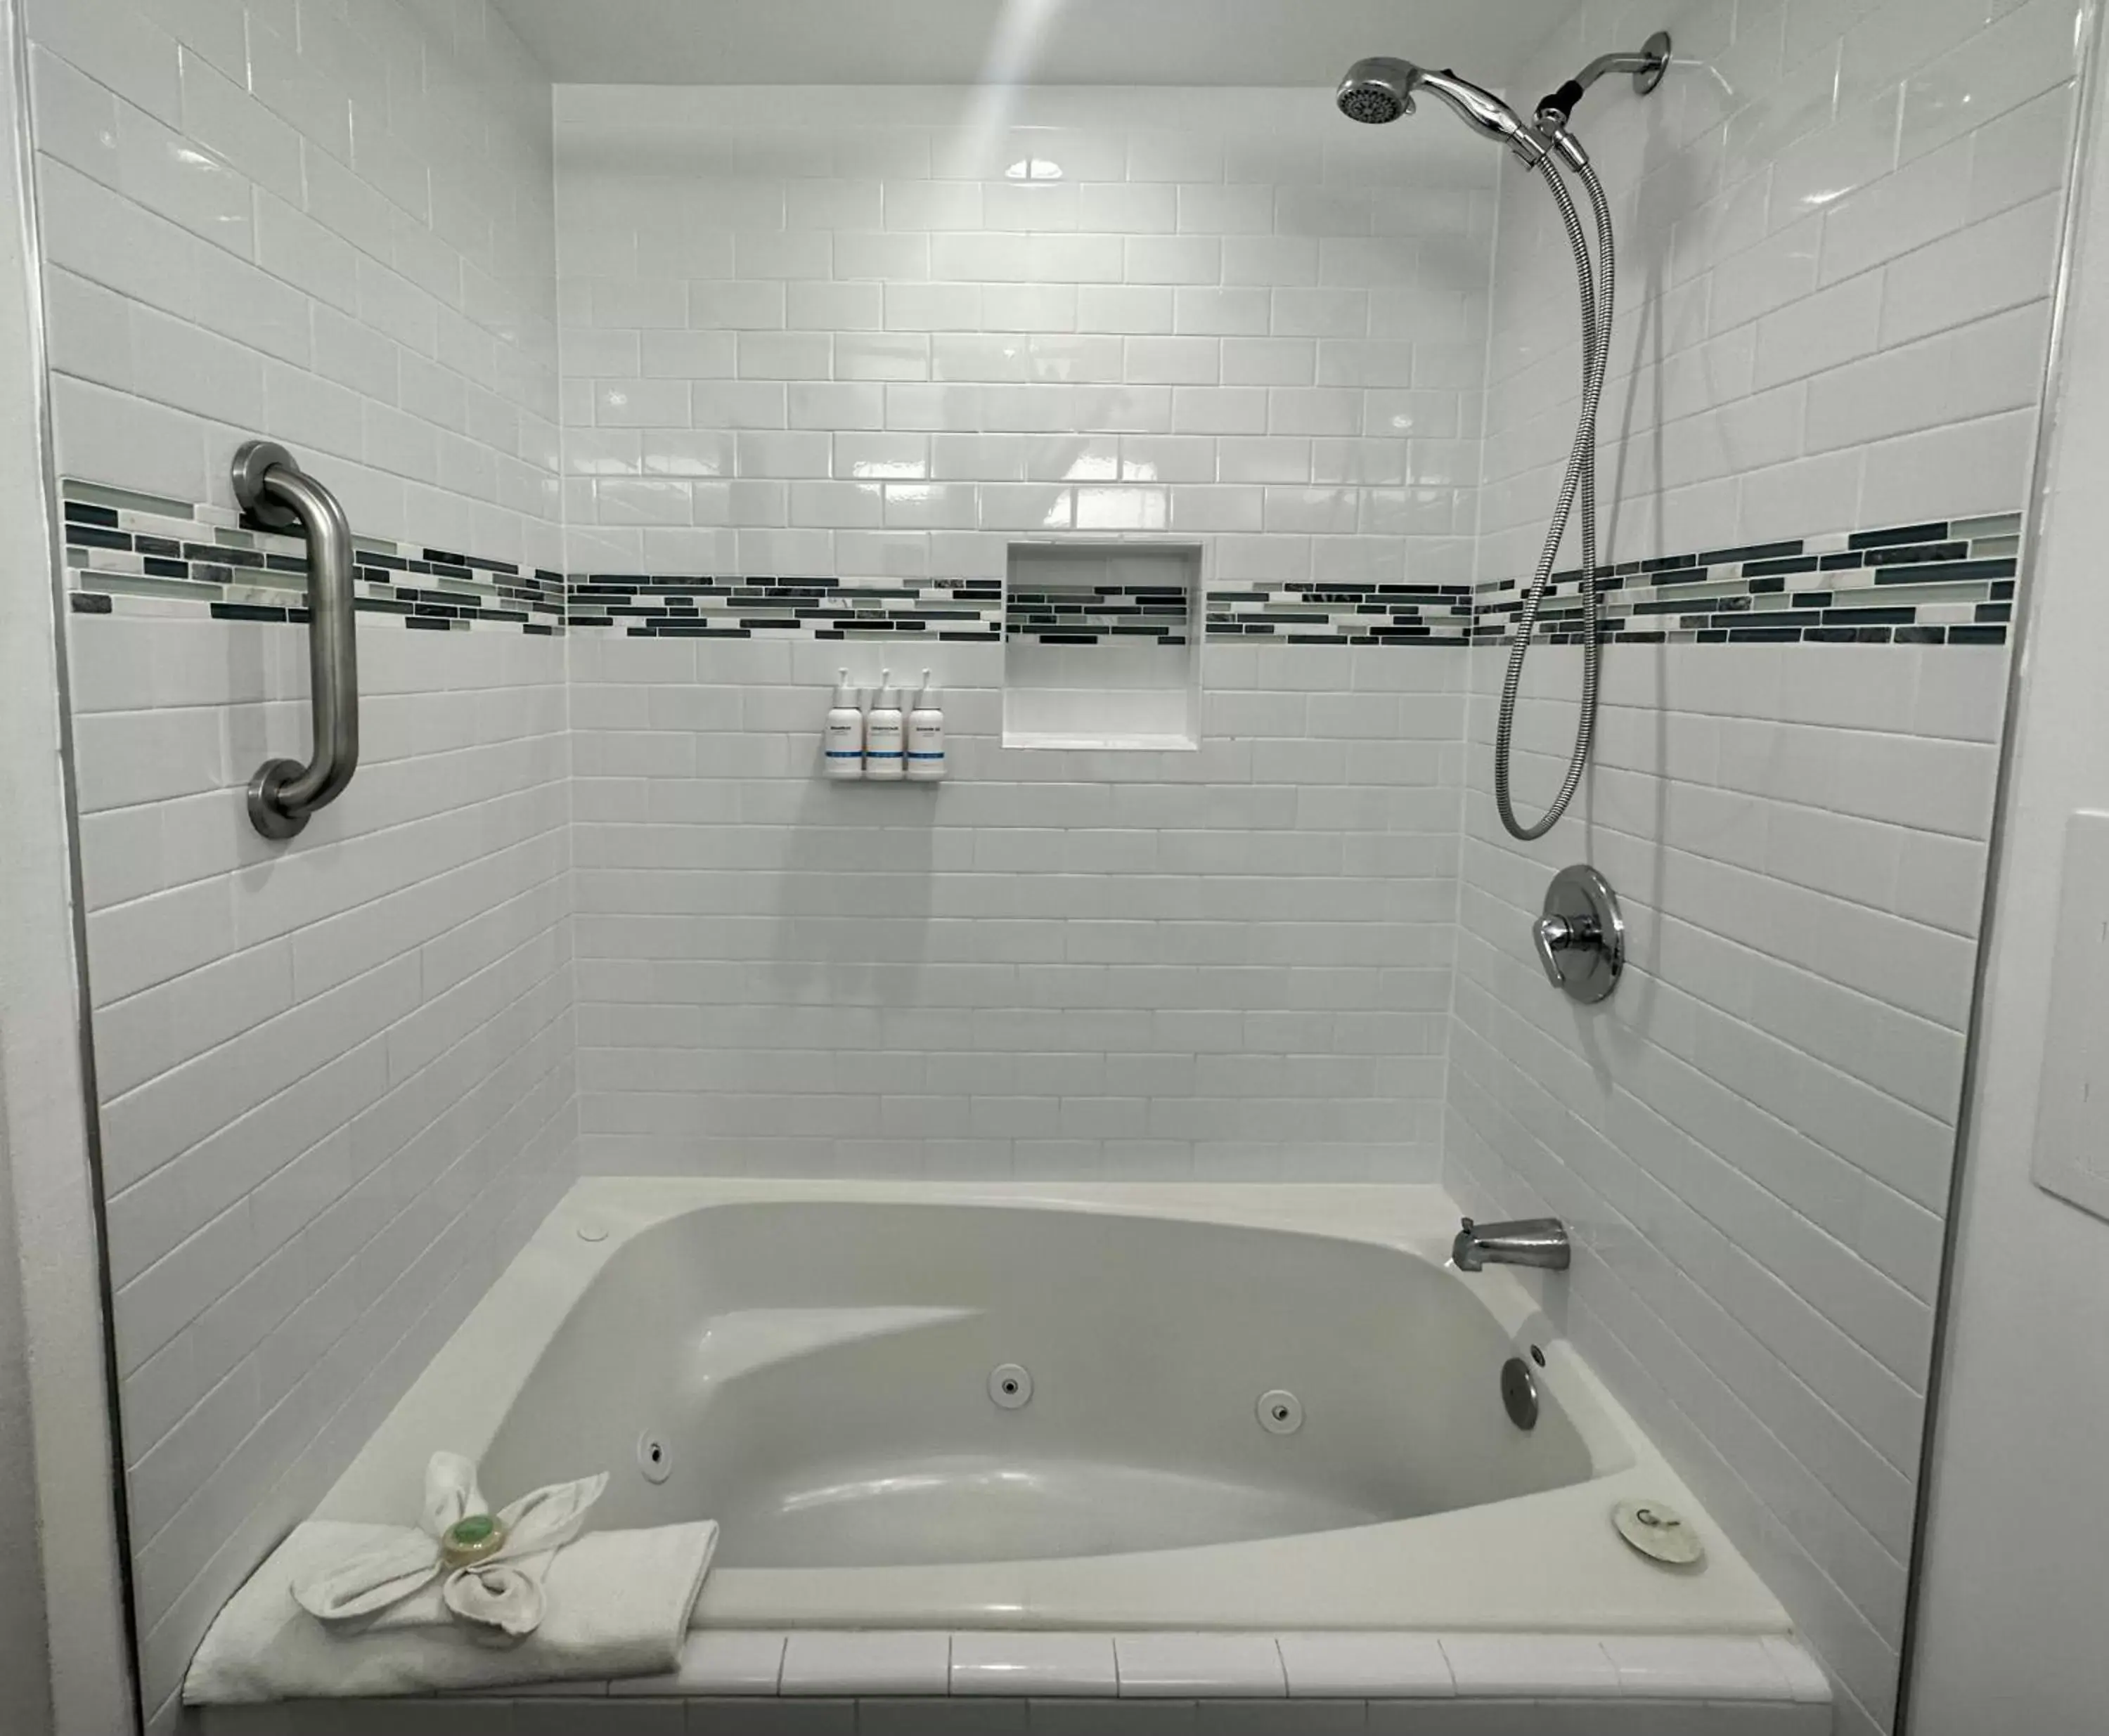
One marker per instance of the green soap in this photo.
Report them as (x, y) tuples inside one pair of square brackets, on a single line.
[(466, 1533)]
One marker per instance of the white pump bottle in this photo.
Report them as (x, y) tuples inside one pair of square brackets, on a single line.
[(926, 735), (841, 746), (883, 730)]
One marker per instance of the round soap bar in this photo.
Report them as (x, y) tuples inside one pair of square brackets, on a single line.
[(469, 1540)]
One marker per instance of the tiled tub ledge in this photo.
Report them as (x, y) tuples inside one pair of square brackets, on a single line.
[(812, 1682)]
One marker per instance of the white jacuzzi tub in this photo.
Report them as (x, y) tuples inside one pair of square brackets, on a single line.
[(813, 1360)]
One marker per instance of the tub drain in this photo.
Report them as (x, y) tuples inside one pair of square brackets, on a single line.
[(655, 1458), (1657, 1529), (1009, 1385)]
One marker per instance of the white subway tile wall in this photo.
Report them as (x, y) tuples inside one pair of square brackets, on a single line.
[(1838, 231), (1228, 963), (877, 342), (337, 1079), (334, 222), (1839, 240), (872, 337), (1752, 1137)]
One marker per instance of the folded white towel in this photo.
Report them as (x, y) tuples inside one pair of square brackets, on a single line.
[(394, 1619), (503, 1590)]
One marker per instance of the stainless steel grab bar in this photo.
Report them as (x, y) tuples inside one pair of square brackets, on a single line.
[(280, 496)]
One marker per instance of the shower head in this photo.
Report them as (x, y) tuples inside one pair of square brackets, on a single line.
[(1378, 90), (1381, 89)]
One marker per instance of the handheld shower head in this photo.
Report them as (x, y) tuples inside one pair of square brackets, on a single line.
[(1381, 89), (1378, 90)]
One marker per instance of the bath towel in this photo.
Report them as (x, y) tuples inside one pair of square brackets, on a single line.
[(401, 1620)]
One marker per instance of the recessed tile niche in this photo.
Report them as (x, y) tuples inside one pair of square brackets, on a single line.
[(1102, 645)]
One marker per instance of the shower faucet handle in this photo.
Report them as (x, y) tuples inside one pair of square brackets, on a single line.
[(1580, 934), (1554, 935)]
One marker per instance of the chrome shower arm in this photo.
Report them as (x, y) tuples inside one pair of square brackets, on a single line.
[(1643, 61), (274, 491), (1647, 67)]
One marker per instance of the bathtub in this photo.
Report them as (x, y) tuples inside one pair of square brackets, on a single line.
[(940, 1408)]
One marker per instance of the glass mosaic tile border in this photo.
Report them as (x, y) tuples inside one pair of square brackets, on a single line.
[(969, 610), (121, 547), (1313, 613), (1942, 582), (1084, 614), (1948, 582), (978, 612)]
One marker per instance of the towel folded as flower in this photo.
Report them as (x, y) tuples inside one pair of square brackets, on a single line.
[(501, 1587), (343, 1610)]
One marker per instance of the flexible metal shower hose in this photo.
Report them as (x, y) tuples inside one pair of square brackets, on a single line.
[(1597, 308)]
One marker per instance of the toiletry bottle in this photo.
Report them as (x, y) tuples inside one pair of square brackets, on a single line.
[(883, 730), (926, 735), (842, 744)]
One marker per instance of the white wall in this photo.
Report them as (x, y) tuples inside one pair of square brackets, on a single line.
[(2012, 1568), (870, 341), (1836, 223), (1752, 1137), (849, 345), (333, 223), (1840, 230), (336, 1075), (1227, 964)]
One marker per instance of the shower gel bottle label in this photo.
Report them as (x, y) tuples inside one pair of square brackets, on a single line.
[(845, 745)]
